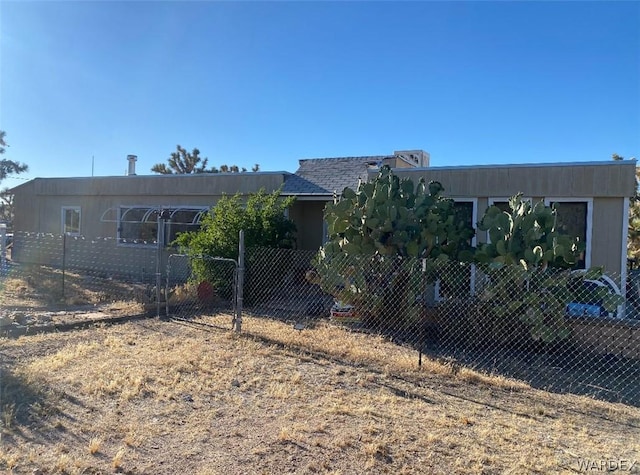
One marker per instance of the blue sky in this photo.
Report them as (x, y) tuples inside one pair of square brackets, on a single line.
[(273, 82)]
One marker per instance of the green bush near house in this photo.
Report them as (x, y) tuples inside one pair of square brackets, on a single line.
[(262, 216)]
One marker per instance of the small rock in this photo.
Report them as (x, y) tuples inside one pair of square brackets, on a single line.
[(235, 383), (47, 317), (21, 318)]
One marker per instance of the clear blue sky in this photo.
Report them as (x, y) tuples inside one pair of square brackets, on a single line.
[(273, 82)]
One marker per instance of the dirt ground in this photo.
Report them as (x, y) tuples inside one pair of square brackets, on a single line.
[(155, 397)]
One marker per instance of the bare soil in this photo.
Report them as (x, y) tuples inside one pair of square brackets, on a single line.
[(154, 397)]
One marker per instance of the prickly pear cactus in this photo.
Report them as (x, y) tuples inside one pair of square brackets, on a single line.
[(376, 235), (527, 236), (394, 217), (528, 263)]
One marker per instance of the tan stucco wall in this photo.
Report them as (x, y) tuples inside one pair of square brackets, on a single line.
[(308, 216)]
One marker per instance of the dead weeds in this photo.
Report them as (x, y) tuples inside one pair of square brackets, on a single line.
[(162, 397)]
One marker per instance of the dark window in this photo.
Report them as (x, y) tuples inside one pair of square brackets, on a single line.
[(183, 221), (503, 206), (571, 219), (138, 226)]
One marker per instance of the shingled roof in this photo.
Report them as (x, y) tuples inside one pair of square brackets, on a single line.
[(323, 176)]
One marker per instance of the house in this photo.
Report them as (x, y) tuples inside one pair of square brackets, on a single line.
[(317, 180), (592, 200), (110, 224)]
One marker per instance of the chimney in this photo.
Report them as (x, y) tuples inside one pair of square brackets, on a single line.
[(132, 164), (416, 158)]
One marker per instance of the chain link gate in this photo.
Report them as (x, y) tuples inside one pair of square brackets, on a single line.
[(201, 285)]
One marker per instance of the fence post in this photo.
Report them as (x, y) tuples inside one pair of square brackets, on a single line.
[(3, 247), (159, 239), (64, 260), (240, 284)]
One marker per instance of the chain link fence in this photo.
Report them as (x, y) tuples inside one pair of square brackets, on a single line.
[(200, 285), (275, 285), (47, 278), (562, 331)]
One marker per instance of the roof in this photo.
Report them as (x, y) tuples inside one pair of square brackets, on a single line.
[(323, 176)]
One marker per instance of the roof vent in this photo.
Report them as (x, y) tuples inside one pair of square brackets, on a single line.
[(132, 164)]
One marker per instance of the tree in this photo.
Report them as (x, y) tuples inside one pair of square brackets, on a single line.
[(377, 234), (263, 218), (633, 235), (8, 167), (528, 262), (182, 162), (6, 206)]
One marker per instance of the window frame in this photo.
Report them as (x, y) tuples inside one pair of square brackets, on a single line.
[(63, 220), (133, 243), (199, 212), (548, 201), (501, 199)]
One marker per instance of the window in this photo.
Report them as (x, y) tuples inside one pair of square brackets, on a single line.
[(466, 211), (71, 220), (573, 217), (464, 282), (503, 203), (182, 220), (138, 225)]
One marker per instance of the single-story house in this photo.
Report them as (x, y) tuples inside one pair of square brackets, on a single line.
[(592, 199)]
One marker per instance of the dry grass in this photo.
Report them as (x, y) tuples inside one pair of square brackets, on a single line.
[(35, 296), (161, 397)]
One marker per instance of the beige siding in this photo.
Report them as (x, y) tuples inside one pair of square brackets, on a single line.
[(576, 180), (607, 183), (40, 201), (606, 244)]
